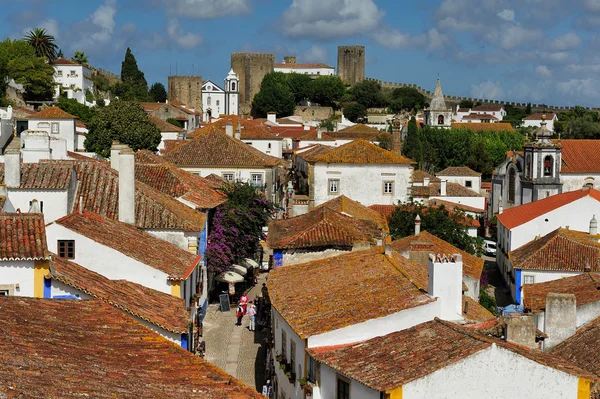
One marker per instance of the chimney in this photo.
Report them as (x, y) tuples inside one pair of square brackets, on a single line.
[(238, 131), (560, 318), (289, 59), (12, 167), (229, 129), (35, 206), (593, 226), (387, 249), (520, 329), (445, 283), (426, 181), (443, 188), (272, 117), (417, 225), (127, 186), (115, 149), (319, 133), (396, 136)]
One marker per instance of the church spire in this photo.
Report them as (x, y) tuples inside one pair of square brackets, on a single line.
[(437, 101)]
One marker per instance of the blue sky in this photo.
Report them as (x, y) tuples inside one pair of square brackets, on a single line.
[(543, 51)]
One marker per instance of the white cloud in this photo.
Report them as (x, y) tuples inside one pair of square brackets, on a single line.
[(568, 41), (330, 19), (543, 70), (451, 23), (97, 30), (556, 56), (182, 39), (578, 88), (50, 25), (507, 15), (206, 9), (510, 37), (393, 38), (592, 5), (316, 54), (487, 90)]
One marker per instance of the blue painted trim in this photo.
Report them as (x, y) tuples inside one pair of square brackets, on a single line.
[(203, 240), (47, 288), (278, 257), (518, 285), (184, 342)]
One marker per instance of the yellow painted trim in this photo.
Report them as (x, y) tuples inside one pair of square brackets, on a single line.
[(41, 268), (176, 288), (395, 393), (583, 388)]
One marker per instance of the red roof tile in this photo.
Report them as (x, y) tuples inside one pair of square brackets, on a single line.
[(488, 108), (320, 296), (355, 209), (385, 210), (419, 176), (249, 129), (313, 135), (52, 113), (473, 311), (315, 151), (388, 362), (132, 242), (302, 66), (580, 156), (22, 237), (164, 126), (475, 116), (521, 214), (88, 348), (485, 126), (362, 152), (43, 176), (561, 249), (163, 310), (535, 117), (585, 287), (458, 171), (64, 61), (583, 348), (454, 205), (435, 189)]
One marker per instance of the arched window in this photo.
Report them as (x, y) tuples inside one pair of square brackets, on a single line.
[(232, 86), (441, 120), (512, 183), (548, 165)]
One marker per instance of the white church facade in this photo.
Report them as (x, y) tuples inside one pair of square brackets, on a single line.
[(220, 101)]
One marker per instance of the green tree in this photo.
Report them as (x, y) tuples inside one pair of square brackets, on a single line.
[(328, 124), (412, 146), (60, 54), (175, 122), (528, 109), (300, 85), (124, 121), (274, 96), (134, 83), (73, 107), (158, 93), (466, 103), (354, 111), (327, 90), (80, 58), (36, 76), (384, 140), (409, 98), (42, 43), (449, 226), (368, 93), (9, 50)]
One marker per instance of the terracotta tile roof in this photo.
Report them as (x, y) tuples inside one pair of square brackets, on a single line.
[(385, 210), (488, 108), (22, 237), (163, 310), (149, 107), (420, 175), (362, 152), (302, 66), (167, 178), (217, 181), (464, 110), (458, 171), (472, 265), (475, 116), (214, 148), (91, 349), (250, 129), (521, 214), (80, 124), (98, 184), (356, 135), (132, 242), (454, 205), (164, 126), (290, 132), (538, 117), (290, 121), (582, 348), (183, 108), (52, 113), (171, 144), (473, 311), (320, 296), (496, 328), (580, 156), (561, 249), (64, 61), (585, 287), (43, 176), (22, 112), (322, 227), (485, 126), (388, 362), (316, 150), (434, 190), (314, 136), (345, 205), (359, 128)]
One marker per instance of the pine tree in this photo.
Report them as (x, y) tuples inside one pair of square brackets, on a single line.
[(133, 79)]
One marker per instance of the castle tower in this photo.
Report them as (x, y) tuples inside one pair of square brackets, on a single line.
[(232, 94), (250, 69), (351, 64), (541, 175), (186, 90), (438, 114), (289, 59)]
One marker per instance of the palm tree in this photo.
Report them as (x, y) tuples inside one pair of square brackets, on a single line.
[(42, 43), (80, 58)]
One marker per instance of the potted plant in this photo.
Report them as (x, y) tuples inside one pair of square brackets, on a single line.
[(306, 386), (291, 376)]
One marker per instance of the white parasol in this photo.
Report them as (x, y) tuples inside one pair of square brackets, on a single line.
[(251, 262), (238, 269), (229, 277)]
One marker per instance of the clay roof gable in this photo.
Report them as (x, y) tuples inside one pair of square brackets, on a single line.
[(522, 214), (480, 116), (313, 135), (362, 152), (435, 189), (164, 126), (355, 209), (150, 107), (320, 296), (560, 250), (214, 148), (64, 61), (22, 237), (458, 171), (52, 113), (580, 156), (585, 287), (419, 176), (473, 311), (538, 117), (358, 131), (132, 242), (43, 176), (163, 310), (249, 129), (316, 150), (485, 126), (453, 206), (582, 348), (89, 348)]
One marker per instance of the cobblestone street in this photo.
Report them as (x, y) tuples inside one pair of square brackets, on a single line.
[(237, 350)]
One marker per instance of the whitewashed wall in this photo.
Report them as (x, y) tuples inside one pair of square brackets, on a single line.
[(273, 148), (292, 391), (56, 202), (575, 181), (291, 257), (328, 385), (462, 180), (66, 129), (18, 272)]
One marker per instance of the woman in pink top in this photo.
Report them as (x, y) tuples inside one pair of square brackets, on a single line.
[(244, 302)]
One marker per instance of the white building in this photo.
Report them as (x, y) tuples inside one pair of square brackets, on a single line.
[(438, 114), (313, 70), (497, 111), (462, 175), (6, 126), (73, 79), (362, 171), (217, 101), (59, 125), (536, 120)]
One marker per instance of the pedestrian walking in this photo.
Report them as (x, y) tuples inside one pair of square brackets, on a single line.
[(264, 291), (240, 314), (244, 302), (252, 317)]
